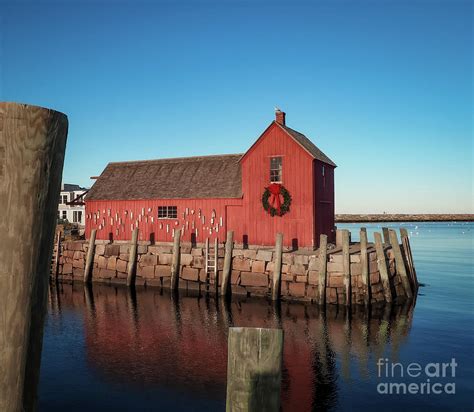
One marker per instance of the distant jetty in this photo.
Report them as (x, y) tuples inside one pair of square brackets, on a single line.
[(354, 218)]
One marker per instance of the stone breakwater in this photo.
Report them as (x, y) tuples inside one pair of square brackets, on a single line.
[(251, 270)]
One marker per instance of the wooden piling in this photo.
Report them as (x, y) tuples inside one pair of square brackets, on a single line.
[(400, 264), (90, 257), (254, 369), (323, 265), (175, 260), (229, 244), (338, 237), (364, 262), (276, 284), (386, 236), (346, 262), (32, 145), (216, 265), (57, 256), (409, 257), (132, 259), (206, 263), (382, 265)]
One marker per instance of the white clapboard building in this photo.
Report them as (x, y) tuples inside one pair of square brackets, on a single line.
[(71, 204)]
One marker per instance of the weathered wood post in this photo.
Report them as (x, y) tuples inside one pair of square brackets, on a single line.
[(323, 266), (409, 257), (254, 366), (229, 244), (364, 262), (276, 281), (175, 260), (206, 263), (32, 145), (346, 264), (90, 257), (382, 265), (338, 237), (216, 265), (132, 259), (400, 264), (58, 255), (386, 237)]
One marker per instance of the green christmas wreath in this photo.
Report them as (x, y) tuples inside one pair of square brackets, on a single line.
[(271, 200)]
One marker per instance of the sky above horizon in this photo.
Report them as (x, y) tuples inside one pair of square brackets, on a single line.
[(383, 88)]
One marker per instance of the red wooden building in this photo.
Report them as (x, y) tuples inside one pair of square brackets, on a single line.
[(283, 183)]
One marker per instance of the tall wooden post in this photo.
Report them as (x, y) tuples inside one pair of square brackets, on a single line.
[(216, 265), (254, 369), (386, 237), (90, 257), (400, 264), (364, 262), (338, 237), (407, 249), (323, 265), (206, 263), (175, 260), (229, 244), (132, 259), (276, 283), (382, 265), (346, 262), (32, 145)]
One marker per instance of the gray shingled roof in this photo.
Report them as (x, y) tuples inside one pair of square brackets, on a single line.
[(68, 187), (180, 178), (308, 145)]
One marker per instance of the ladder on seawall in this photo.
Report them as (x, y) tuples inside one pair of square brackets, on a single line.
[(211, 263), (53, 270)]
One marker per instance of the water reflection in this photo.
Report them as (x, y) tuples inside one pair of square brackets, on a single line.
[(150, 338)]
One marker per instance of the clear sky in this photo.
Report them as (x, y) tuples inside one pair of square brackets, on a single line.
[(384, 88)]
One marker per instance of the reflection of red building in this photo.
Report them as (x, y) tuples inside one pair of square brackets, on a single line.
[(205, 196), (156, 341)]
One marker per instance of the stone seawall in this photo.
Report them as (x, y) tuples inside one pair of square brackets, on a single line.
[(251, 274)]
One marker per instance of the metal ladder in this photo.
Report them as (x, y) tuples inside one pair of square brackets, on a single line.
[(211, 266)]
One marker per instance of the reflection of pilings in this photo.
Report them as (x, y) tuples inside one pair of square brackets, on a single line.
[(346, 352), (400, 330), (89, 299), (226, 312), (322, 342), (175, 308), (324, 367), (363, 349), (383, 330), (132, 304)]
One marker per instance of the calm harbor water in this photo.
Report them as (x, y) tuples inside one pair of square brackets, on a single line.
[(109, 349)]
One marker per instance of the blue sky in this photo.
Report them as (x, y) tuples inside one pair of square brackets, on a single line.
[(382, 87)]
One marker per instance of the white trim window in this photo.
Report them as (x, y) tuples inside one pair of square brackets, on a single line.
[(167, 212), (77, 216), (276, 169)]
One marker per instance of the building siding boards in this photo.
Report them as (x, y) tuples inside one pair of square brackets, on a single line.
[(261, 228), (151, 230)]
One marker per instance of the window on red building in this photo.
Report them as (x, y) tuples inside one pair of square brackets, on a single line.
[(276, 170)]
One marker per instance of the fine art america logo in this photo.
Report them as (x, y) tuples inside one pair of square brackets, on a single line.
[(433, 378)]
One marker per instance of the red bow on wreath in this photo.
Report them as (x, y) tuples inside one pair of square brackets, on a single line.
[(275, 201)]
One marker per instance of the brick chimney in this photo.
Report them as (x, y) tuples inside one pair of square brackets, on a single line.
[(280, 116)]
